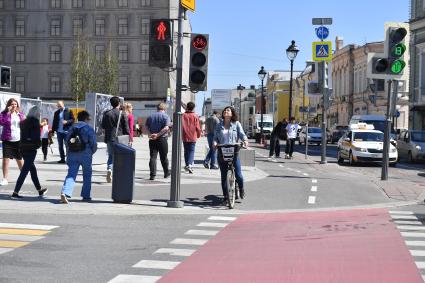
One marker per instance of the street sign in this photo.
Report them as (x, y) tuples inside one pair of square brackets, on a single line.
[(188, 4), (321, 21), (397, 114), (322, 51), (322, 32)]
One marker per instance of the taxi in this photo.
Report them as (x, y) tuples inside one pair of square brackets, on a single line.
[(363, 144)]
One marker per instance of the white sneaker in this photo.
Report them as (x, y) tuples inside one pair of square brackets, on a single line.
[(109, 176), (4, 182)]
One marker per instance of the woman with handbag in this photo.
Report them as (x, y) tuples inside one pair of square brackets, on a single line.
[(30, 142), (128, 107)]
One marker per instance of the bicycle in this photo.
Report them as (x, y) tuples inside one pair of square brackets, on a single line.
[(228, 153)]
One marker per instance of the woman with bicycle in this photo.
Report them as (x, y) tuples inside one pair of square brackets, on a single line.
[(229, 131)]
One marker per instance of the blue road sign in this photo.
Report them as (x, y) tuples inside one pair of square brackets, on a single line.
[(397, 114), (322, 32)]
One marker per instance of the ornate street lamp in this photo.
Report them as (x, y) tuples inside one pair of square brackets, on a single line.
[(291, 53), (261, 75)]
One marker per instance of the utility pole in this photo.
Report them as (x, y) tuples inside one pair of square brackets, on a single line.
[(322, 66), (390, 109)]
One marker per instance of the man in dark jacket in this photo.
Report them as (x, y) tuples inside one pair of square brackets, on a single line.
[(62, 121), (279, 132), (109, 125)]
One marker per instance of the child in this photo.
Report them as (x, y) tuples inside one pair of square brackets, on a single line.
[(44, 125)]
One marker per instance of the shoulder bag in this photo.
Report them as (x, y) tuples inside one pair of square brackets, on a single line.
[(124, 139)]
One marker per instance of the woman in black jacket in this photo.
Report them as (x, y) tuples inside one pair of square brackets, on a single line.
[(30, 142)]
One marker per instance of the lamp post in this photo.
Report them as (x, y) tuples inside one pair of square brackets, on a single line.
[(291, 53), (240, 88), (261, 75)]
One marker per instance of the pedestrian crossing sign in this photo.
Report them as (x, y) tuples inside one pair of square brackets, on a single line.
[(322, 51)]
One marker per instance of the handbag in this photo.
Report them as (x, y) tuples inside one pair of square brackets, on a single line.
[(124, 139)]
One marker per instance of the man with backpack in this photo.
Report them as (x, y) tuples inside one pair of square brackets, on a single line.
[(81, 141)]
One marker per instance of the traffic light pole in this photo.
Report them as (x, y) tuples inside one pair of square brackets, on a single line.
[(324, 115), (385, 152), (174, 201)]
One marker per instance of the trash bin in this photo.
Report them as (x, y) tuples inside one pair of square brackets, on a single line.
[(123, 172)]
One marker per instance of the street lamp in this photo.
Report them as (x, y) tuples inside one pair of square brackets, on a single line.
[(261, 75), (240, 88), (291, 53)]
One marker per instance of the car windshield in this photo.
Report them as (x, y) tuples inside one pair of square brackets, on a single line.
[(314, 130), (368, 136), (265, 124), (418, 136), (377, 124)]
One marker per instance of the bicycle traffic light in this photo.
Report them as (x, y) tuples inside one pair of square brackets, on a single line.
[(160, 43), (5, 77), (198, 62)]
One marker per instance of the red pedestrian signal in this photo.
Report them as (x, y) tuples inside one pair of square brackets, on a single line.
[(161, 43)]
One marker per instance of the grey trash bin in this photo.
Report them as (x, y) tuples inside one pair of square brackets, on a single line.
[(123, 172)]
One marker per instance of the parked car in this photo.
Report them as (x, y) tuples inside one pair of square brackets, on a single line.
[(411, 145), (336, 132), (314, 135)]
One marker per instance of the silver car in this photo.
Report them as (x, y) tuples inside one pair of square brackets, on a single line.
[(411, 145)]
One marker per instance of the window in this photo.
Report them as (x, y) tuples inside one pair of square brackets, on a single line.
[(19, 27), (77, 3), (145, 2), (55, 27), (1, 53), (55, 53), (1, 27), (123, 84), (55, 84), (100, 3), (99, 51), (122, 52), (54, 4), (19, 53), (20, 4), (144, 53), (381, 85), (122, 3), (123, 26), (20, 84), (77, 26), (100, 27), (146, 84), (145, 26)]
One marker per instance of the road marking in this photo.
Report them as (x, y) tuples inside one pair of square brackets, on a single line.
[(417, 253), (5, 250), (311, 200), (408, 227), (157, 264), (415, 243), (408, 222), (314, 188), (124, 278), (27, 226), (201, 232), (305, 174), (23, 238), (413, 234), (12, 244), (183, 241), (298, 171), (212, 224), (223, 218), (314, 181), (175, 252), (406, 217), (23, 232), (281, 165), (420, 264), (401, 212)]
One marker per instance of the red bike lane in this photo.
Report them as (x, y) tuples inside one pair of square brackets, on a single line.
[(348, 246)]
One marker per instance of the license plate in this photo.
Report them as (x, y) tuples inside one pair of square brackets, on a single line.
[(375, 155), (227, 150)]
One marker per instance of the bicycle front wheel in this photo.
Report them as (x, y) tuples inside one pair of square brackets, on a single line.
[(231, 190)]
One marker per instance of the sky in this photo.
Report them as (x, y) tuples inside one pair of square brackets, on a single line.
[(246, 34)]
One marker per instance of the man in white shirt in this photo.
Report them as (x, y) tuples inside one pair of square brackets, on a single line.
[(292, 130)]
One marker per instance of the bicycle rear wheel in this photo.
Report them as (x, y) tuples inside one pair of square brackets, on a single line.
[(231, 190)]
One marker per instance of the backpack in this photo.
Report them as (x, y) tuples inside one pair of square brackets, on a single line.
[(76, 142), (30, 135)]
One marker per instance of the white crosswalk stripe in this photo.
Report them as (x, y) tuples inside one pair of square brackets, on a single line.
[(156, 264), (222, 218), (124, 278), (201, 232), (212, 224), (175, 252)]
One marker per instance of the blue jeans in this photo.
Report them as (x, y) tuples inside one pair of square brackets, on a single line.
[(212, 153), (74, 160), (29, 157), (189, 153), (238, 174), (61, 137), (110, 147)]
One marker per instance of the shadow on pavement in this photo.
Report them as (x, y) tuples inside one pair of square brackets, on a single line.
[(208, 201)]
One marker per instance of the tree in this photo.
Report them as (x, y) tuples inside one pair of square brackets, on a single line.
[(108, 73)]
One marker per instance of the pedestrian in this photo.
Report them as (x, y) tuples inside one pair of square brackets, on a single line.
[(129, 110), (62, 121), (44, 137), (230, 131), (275, 137), (210, 125), (157, 126), (10, 119), (29, 144), (82, 144), (109, 125), (191, 132), (292, 130)]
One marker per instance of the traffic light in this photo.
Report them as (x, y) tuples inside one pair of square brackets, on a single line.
[(160, 43), (5, 76), (396, 48), (198, 62)]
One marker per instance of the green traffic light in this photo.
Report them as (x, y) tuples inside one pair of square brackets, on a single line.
[(399, 49), (397, 66)]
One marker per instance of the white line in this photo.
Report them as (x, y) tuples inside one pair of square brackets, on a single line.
[(314, 188), (27, 226), (281, 165), (124, 278), (5, 250), (212, 224), (157, 264), (408, 222), (408, 227), (182, 241), (417, 253), (311, 200), (406, 217), (223, 218), (22, 238), (415, 243), (305, 174), (314, 181), (413, 234), (420, 264), (201, 232), (401, 212), (175, 252)]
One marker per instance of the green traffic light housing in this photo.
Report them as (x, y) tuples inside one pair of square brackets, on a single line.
[(398, 50)]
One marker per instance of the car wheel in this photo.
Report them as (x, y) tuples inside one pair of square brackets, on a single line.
[(410, 157), (351, 159), (339, 159)]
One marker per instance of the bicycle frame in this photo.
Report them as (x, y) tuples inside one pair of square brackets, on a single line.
[(228, 153)]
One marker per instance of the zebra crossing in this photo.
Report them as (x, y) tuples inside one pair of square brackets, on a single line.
[(412, 229), (15, 235)]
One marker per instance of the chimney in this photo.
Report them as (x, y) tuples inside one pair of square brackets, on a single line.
[(339, 42)]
